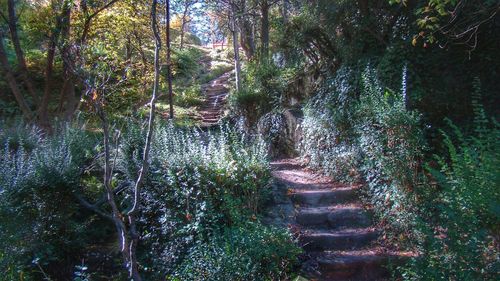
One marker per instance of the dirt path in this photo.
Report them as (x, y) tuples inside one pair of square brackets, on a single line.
[(332, 226), (216, 92)]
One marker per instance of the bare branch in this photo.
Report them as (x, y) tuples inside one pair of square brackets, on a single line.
[(91, 207)]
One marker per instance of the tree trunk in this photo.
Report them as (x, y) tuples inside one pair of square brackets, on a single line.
[(284, 11), (68, 100), (11, 80), (247, 40), (43, 111), (236, 47), (183, 25), (364, 8), (49, 68), (169, 59), (23, 69), (264, 32)]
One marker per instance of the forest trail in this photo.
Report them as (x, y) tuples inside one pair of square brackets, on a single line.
[(215, 92), (336, 232)]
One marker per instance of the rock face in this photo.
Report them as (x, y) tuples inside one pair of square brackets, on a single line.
[(282, 130), (332, 226)]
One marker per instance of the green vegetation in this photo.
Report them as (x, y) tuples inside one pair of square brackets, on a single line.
[(203, 192), (100, 181)]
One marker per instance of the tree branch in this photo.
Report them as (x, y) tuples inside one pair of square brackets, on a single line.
[(91, 207)]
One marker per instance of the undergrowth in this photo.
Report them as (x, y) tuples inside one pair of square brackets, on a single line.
[(447, 210), (204, 191)]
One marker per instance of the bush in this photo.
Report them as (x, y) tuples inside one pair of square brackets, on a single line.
[(248, 103), (459, 242), (450, 223), (265, 84), (189, 97), (369, 137), (200, 186), (253, 252), (185, 62), (41, 229)]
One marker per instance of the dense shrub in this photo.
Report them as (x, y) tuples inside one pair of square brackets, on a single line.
[(185, 62), (328, 127), (372, 137), (264, 86), (189, 97), (278, 129), (42, 231), (255, 252), (460, 242), (202, 186)]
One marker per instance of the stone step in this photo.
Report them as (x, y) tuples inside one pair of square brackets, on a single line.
[(349, 239), (211, 117), (364, 265), (324, 197), (207, 125), (334, 217), (211, 94), (206, 113)]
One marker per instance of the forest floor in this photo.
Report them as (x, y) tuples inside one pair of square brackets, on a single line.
[(336, 231)]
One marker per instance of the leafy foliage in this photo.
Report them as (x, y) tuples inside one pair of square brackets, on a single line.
[(251, 253), (264, 86), (201, 187), (459, 243), (35, 173), (372, 138)]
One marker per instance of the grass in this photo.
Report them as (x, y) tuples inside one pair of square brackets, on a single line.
[(183, 116)]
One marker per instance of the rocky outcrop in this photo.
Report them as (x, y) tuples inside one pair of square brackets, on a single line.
[(282, 130)]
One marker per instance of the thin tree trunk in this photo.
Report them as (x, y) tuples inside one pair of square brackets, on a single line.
[(49, 68), (23, 69), (68, 100), (43, 111), (236, 47), (183, 25), (129, 238), (11, 80), (71, 100), (116, 216), (284, 11), (247, 40), (364, 7), (169, 59), (264, 32)]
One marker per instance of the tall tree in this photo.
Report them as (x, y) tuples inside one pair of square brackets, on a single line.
[(236, 47), (11, 80), (186, 11), (23, 69), (247, 30), (264, 28), (169, 58), (58, 42), (125, 222)]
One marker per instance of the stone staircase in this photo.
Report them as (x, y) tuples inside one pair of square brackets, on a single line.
[(216, 93), (332, 226)]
